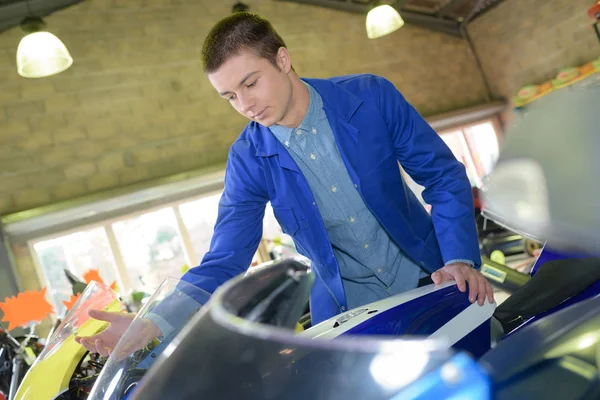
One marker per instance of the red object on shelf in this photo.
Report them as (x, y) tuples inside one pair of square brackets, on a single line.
[(594, 11)]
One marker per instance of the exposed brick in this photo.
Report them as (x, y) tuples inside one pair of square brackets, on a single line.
[(138, 173), (110, 162), (24, 109), (13, 183), (47, 177), (101, 181), (58, 155), (17, 163), (80, 170), (35, 89), (527, 42), (89, 149), (61, 102), (31, 197), (69, 135), (137, 86), (164, 117), (146, 154), (34, 141), (6, 202), (69, 190), (101, 130), (110, 96), (47, 122)]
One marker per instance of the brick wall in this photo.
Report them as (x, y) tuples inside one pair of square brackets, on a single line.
[(136, 106), (524, 42)]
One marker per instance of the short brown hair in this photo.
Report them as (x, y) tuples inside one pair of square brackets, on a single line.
[(236, 33)]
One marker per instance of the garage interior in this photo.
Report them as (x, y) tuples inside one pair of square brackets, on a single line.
[(113, 168)]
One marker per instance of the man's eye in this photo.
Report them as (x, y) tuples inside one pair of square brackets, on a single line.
[(251, 84), (230, 98)]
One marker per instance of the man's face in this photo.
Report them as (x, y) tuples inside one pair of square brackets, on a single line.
[(255, 87)]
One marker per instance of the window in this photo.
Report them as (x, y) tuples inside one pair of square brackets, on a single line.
[(78, 253), (482, 141), (200, 217), (145, 248), (152, 248), (475, 146)]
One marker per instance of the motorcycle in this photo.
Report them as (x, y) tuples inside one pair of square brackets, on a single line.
[(242, 344), (247, 331), (274, 296), (63, 368), (17, 354)]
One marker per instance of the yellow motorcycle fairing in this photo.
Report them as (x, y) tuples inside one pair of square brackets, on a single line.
[(51, 375)]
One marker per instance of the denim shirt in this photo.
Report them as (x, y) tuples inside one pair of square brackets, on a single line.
[(372, 266)]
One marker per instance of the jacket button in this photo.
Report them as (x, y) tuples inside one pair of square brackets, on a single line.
[(343, 308)]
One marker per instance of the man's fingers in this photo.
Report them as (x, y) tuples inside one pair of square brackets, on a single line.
[(482, 292), (490, 291), (473, 285), (105, 315), (89, 344), (102, 348), (460, 280)]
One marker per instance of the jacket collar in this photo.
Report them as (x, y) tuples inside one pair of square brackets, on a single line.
[(341, 102)]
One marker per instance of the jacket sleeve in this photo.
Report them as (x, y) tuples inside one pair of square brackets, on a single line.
[(431, 164), (239, 225)]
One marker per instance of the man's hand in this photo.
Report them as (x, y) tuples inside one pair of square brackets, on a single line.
[(105, 342), (479, 287)]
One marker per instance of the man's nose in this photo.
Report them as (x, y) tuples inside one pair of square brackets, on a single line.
[(246, 103)]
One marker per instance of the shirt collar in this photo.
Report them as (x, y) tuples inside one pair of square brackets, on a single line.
[(309, 121)]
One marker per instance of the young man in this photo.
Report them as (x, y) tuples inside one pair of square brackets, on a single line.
[(325, 153)]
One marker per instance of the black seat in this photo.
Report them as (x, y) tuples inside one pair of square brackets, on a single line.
[(555, 282)]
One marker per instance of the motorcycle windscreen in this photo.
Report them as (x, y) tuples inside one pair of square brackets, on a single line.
[(166, 312), (546, 179), (96, 296), (229, 352)]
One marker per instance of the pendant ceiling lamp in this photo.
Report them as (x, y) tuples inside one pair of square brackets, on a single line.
[(383, 20), (40, 53)]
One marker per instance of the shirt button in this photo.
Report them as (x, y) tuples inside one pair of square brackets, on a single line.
[(379, 270), (312, 156), (298, 132), (355, 185), (333, 189), (314, 204), (314, 131), (352, 219), (366, 245), (287, 144)]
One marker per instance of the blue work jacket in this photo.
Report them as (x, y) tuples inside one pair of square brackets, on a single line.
[(375, 129)]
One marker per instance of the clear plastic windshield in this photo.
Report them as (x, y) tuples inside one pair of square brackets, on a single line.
[(96, 296), (241, 347), (156, 324)]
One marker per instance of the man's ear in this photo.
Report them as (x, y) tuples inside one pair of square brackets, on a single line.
[(284, 61)]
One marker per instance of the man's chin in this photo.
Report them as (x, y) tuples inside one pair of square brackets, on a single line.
[(267, 123)]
